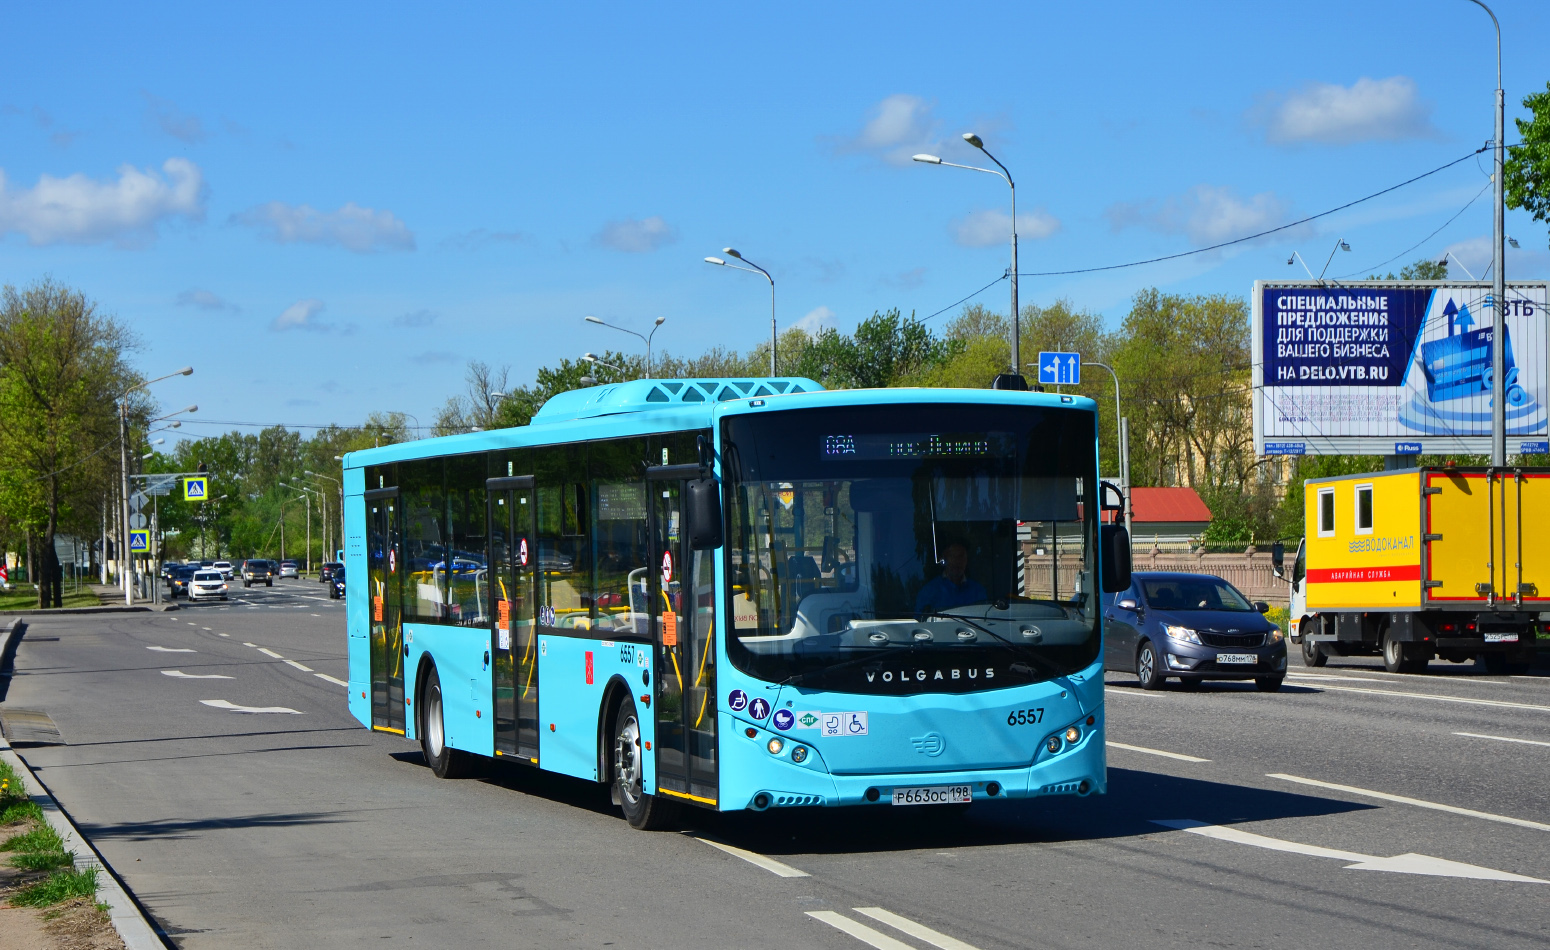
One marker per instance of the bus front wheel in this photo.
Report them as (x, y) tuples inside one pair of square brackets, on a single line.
[(642, 811), (444, 761)]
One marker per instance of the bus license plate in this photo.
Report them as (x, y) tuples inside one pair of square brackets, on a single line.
[(1236, 658), (932, 795)]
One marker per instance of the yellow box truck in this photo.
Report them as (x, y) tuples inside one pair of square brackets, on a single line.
[(1450, 562)]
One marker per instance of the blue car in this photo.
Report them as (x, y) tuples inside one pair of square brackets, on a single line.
[(336, 582), (1192, 627)]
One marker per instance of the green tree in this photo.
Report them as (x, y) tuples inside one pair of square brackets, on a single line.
[(62, 369), (1420, 270), (1526, 176)]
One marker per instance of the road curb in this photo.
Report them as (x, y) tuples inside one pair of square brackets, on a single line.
[(105, 609), (133, 927)]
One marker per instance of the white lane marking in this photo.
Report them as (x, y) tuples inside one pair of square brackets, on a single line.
[(223, 704), (192, 624), (317, 615), (223, 634), (1419, 803), (1333, 676), (204, 628), (758, 860), (1435, 696), (268, 652), (863, 933), (179, 674), (918, 931), (304, 669), (336, 682), (1476, 735), (1167, 755), (1400, 864), (172, 649), (1121, 691), (247, 644)]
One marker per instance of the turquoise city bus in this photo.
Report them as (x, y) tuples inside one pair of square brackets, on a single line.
[(742, 594)]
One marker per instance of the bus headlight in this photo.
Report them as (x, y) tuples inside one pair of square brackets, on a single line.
[(1053, 745), (775, 746), (1181, 633), (1073, 734), (799, 754)]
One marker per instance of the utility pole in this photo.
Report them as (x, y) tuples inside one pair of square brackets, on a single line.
[(1498, 281)]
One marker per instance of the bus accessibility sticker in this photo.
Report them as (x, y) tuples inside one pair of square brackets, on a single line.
[(787, 719), (844, 724)]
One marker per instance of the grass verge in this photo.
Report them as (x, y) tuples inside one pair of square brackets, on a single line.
[(56, 888), (28, 600), (45, 873)]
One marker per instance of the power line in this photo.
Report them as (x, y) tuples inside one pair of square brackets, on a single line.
[(964, 300), (1423, 240), (1253, 237)]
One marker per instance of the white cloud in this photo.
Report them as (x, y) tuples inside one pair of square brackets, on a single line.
[(299, 316), (985, 228), (816, 319), (1525, 262), (352, 227), (80, 210), (204, 300), (180, 125), (1208, 214), (897, 128), (637, 236), (1366, 111)]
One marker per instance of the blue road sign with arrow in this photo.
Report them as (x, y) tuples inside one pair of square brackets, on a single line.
[(1060, 369)]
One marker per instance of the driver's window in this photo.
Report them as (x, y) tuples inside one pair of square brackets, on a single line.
[(1299, 566)]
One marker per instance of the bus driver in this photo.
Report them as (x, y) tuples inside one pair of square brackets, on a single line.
[(951, 588)]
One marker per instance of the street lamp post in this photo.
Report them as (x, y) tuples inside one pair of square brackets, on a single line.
[(341, 499), (1006, 175), (307, 493), (1122, 445), (753, 268), (592, 358), (1498, 280), (645, 338), (126, 562)]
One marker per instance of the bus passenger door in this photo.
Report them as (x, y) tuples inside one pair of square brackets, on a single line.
[(513, 566), (384, 557), (683, 610)]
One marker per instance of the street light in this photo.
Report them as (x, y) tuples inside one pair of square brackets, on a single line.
[(307, 471), (1297, 258), (753, 268), (1340, 245), (591, 358), (1498, 282), (123, 472), (645, 339), (1444, 263), (1006, 175), (307, 494)]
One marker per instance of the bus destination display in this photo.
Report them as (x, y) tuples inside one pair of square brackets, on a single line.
[(917, 445)]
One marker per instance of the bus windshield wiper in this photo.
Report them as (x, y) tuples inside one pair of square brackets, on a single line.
[(1021, 649)]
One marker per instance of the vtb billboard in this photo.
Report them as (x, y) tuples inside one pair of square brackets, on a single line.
[(1395, 368)]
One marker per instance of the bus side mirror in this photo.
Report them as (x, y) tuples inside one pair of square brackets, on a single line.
[(702, 498), (1278, 559), (1114, 548)]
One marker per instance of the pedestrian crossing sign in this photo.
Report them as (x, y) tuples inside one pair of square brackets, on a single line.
[(139, 542), (196, 489)]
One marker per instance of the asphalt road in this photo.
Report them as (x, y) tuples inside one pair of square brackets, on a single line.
[(302, 829)]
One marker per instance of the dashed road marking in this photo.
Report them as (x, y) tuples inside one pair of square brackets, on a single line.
[(304, 669), (233, 707), (331, 679), (204, 628), (1417, 802), (916, 930), (172, 649), (1476, 735), (863, 933), (1333, 676), (223, 634), (758, 860), (179, 674), (1167, 755), (247, 644), (268, 652)]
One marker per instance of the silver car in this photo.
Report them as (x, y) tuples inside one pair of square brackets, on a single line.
[(288, 569)]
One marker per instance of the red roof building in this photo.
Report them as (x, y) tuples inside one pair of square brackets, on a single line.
[(1165, 517)]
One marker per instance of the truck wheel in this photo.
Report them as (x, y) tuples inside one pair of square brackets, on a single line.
[(1496, 664), (1311, 654), (1395, 659), (1147, 672)]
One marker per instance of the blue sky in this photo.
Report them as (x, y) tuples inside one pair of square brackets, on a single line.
[(330, 209)]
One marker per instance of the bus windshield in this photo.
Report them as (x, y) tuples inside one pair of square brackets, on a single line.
[(896, 549)]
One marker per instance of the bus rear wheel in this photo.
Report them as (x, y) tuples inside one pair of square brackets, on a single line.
[(445, 762), (642, 811)]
